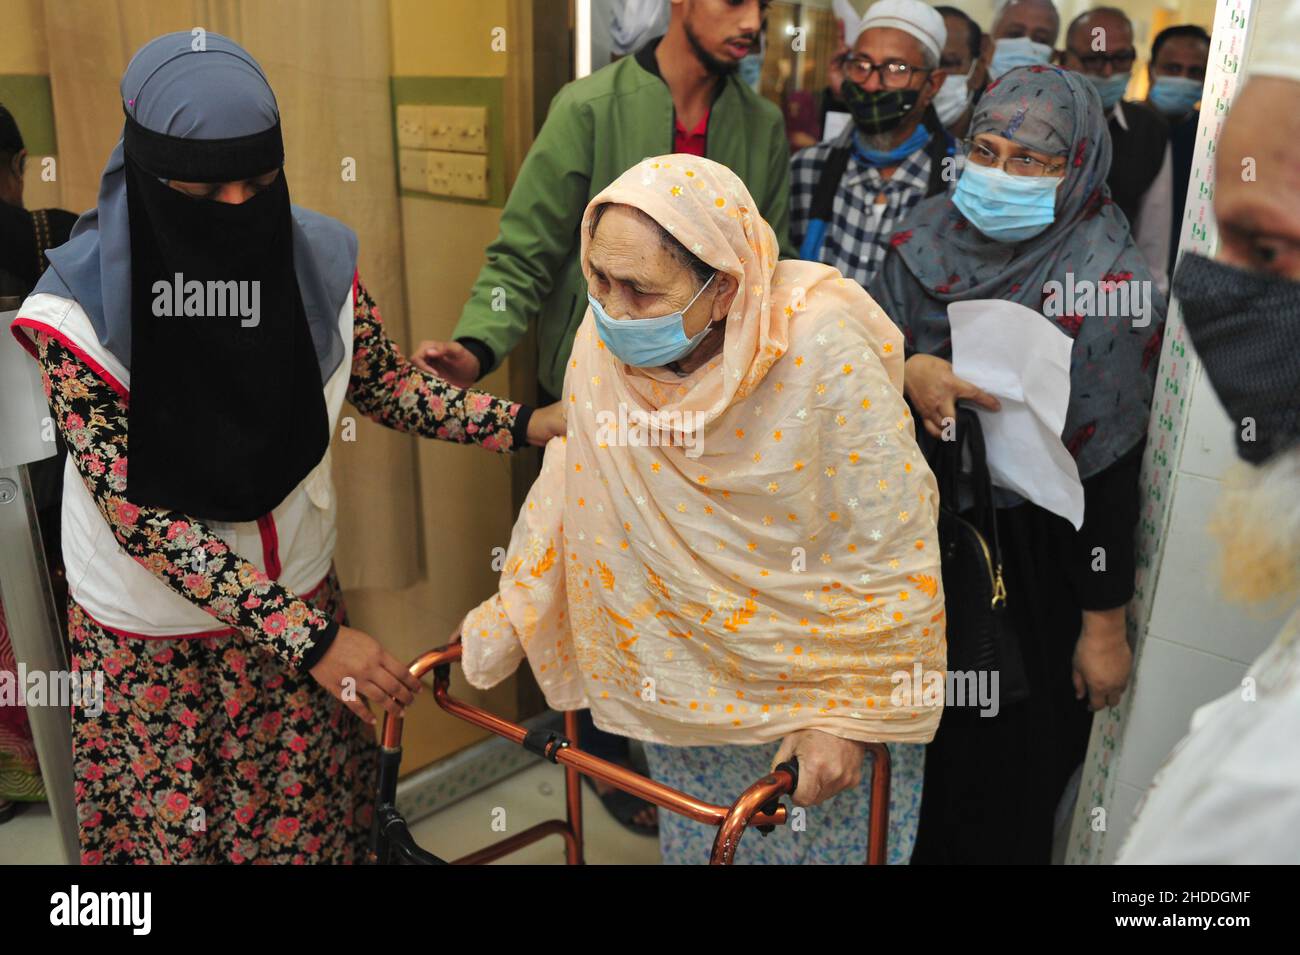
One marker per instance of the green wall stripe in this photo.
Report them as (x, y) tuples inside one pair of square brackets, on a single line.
[(28, 98), (459, 91)]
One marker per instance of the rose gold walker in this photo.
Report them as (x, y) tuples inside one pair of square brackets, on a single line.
[(391, 841)]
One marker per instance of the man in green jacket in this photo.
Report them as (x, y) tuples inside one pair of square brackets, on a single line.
[(679, 93)]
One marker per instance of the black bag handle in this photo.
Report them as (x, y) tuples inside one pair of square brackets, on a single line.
[(945, 461), (969, 422)]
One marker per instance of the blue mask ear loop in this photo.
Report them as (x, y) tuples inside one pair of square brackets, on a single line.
[(699, 336), (698, 294)]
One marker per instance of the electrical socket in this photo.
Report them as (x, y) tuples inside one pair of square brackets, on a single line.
[(462, 175)]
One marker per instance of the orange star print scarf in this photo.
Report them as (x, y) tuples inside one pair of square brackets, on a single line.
[(743, 552)]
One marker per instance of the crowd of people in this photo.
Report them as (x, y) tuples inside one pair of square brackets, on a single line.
[(747, 587)]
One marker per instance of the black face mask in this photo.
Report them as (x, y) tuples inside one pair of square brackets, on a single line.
[(1244, 326), (227, 413), (878, 111)]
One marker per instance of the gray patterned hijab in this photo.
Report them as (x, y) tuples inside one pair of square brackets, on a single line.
[(937, 257), (94, 265)]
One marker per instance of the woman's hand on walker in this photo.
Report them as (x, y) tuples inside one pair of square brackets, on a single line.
[(355, 665), (547, 423), (934, 391), (827, 764)]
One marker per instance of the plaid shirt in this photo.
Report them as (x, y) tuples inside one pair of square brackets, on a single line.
[(853, 244)]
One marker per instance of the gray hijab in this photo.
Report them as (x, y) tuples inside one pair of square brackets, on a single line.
[(214, 93), (937, 257)]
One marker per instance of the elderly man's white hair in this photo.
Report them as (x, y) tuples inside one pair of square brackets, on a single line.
[(1257, 525)]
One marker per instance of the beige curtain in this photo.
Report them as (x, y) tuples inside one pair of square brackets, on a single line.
[(329, 63)]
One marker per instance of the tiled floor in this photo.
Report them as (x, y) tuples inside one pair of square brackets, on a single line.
[(29, 838), (519, 801), (523, 800)]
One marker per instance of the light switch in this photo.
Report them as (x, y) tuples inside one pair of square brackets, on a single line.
[(461, 129), (462, 175), (411, 129)]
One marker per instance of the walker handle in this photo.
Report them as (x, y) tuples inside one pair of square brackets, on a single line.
[(791, 766)]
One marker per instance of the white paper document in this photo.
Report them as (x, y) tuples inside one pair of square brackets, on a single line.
[(1023, 360)]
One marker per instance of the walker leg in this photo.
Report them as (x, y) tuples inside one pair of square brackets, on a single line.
[(878, 827), (573, 795)]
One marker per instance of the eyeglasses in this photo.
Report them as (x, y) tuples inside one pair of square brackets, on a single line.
[(1120, 62), (1180, 69), (979, 154), (894, 74)]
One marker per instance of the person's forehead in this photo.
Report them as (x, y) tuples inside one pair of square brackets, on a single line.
[(1260, 130), (1183, 49), (626, 240), (625, 259), (958, 32), (1118, 30), (1029, 16), (1264, 124), (886, 43)]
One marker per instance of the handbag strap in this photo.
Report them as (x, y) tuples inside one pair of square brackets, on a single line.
[(987, 513), (968, 424)]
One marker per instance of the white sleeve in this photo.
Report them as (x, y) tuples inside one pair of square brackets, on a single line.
[(1154, 225)]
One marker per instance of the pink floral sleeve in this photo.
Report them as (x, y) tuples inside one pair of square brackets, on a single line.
[(385, 386), (177, 549)]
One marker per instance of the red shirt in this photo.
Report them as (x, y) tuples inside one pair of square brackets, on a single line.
[(689, 142)]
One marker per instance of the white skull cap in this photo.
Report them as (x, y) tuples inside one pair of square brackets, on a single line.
[(911, 16)]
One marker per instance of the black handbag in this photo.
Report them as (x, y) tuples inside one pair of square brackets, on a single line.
[(981, 636)]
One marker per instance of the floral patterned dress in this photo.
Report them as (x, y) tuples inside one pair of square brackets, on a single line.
[(223, 748)]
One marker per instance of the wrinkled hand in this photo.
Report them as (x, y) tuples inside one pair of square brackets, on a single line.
[(546, 423), (377, 674), (1102, 659), (451, 361), (827, 764), (934, 392)]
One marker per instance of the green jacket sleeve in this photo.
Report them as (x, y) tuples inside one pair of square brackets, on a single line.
[(777, 203), (539, 227)]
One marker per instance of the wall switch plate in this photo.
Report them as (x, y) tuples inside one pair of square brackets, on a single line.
[(413, 169), (461, 129), (462, 175), (412, 129)]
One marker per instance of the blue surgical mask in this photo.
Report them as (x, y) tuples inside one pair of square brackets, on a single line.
[(1109, 88), (919, 139), (1176, 95), (1017, 51), (1006, 208), (648, 342), (750, 70)]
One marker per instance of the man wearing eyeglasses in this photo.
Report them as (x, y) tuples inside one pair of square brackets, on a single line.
[(1099, 44), (850, 193)]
